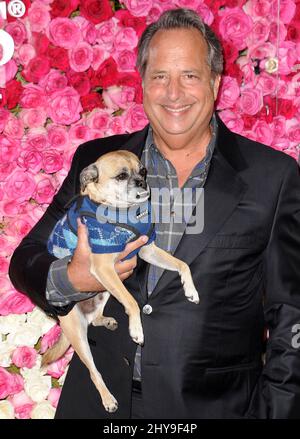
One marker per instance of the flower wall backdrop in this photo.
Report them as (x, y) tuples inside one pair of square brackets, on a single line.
[(72, 78)]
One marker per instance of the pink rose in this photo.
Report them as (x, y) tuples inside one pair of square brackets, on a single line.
[(22, 404), (154, 14), (287, 57), (53, 81), (21, 225), (6, 168), (259, 33), (106, 33), (36, 138), (13, 302), (286, 11), (25, 54), (44, 190), (262, 132), (6, 248), (10, 383), (267, 83), (3, 265), (57, 368), (81, 57), (9, 149), (235, 26), (99, 56), (20, 185), (64, 32), (24, 356), (4, 115), (261, 51), (58, 137), (229, 93), (98, 119), (118, 97), (232, 120), (30, 159), (126, 39), (135, 118), (278, 126), (258, 8), (205, 13), (38, 16), (50, 338), (14, 127), (278, 33), (138, 8), (54, 396), (33, 117), (115, 126), (52, 161), (79, 133), (8, 72), (11, 208), (64, 106), (250, 101), (293, 131), (33, 96), (18, 31), (125, 60)]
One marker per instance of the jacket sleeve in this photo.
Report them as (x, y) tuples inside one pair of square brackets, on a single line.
[(280, 385), (30, 261)]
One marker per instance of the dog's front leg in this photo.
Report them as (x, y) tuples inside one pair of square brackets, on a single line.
[(156, 256), (102, 267)]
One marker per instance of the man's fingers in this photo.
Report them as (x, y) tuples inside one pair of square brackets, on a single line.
[(82, 233), (131, 246)]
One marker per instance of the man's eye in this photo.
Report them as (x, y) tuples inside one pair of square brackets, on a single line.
[(122, 176)]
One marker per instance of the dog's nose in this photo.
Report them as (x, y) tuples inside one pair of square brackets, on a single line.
[(141, 183)]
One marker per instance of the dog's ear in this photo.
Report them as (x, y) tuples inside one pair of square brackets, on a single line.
[(88, 175)]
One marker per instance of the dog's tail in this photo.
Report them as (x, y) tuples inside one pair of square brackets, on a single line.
[(57, 350)]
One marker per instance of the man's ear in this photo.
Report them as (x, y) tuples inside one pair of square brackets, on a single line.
[(88, 175), (216, 84)]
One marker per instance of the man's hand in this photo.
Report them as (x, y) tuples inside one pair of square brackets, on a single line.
[(79, 268)]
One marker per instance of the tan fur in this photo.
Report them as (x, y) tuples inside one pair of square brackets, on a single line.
[(74, 325)]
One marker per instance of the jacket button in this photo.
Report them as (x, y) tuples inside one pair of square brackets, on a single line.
[(147, 309), (126, 361)]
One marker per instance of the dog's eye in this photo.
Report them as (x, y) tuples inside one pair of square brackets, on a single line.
[(143, 172), (122, 176)]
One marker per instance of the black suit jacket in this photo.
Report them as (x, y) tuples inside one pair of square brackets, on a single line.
[(198, 361)]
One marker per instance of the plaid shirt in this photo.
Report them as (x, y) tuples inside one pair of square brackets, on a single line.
[(161, 174)]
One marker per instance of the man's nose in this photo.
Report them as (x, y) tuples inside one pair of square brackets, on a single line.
[(174, 89)]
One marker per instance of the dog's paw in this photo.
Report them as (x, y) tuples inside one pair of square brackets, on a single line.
[(192, 295), (136, 332), (110, 404), (108, 322)]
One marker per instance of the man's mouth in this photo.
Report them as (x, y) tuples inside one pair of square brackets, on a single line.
[(177, 110)]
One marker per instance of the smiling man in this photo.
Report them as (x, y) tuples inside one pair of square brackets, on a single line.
[(198, 361)]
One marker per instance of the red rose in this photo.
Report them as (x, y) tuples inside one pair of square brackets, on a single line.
[(80, 81), (61, 8), (248, 121), (107, 74), (58, 57), (128, 20), (96, 11), (40, 43), (293, 31), (37, 67), (91, 101), (14, 90)]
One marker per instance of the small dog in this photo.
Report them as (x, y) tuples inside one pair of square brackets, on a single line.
[(115, 183)]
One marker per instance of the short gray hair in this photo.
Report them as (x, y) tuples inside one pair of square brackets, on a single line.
[(181, 18)]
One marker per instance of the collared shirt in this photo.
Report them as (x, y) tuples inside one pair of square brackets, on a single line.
[(161, 174)]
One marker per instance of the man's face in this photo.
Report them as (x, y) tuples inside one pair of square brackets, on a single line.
[(179, 89)]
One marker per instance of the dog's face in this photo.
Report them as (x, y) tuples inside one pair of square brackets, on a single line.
[(116, 179)]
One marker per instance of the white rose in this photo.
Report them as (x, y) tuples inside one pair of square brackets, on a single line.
[(6, 410), (37, 386), (11, 323), (6, 350), (26, 335), (43, 410), (39, 318)]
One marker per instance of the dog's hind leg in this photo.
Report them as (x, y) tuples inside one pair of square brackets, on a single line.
[(79, 341), (156, 256), (102, 267), (93, 310)]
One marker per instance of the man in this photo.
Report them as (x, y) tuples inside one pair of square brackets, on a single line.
[(198, 361)]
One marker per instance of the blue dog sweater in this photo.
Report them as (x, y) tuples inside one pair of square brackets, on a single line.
[(109, 229)]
